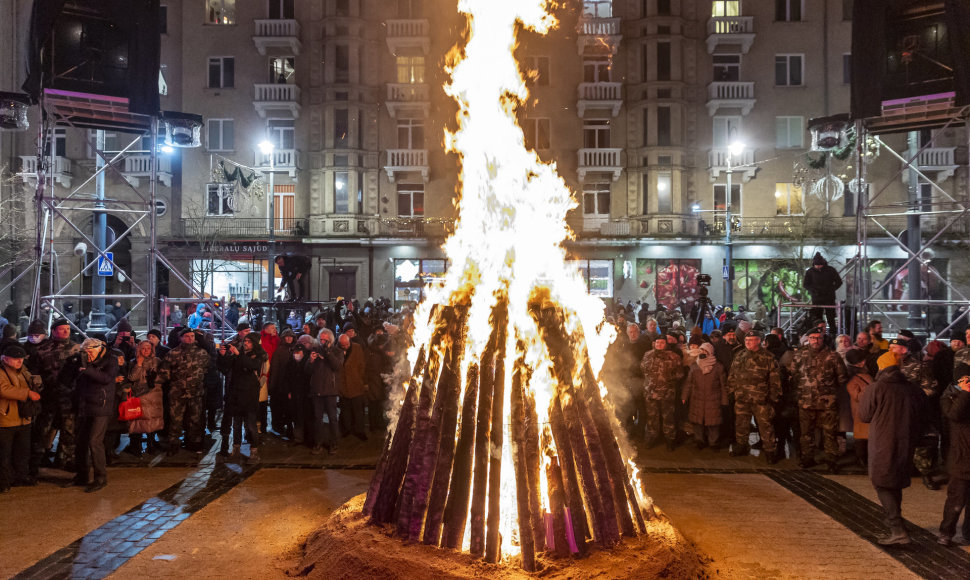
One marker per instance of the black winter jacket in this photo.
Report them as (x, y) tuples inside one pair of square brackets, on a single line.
[(95, 385)]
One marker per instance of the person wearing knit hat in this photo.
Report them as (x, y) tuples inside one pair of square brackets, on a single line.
[(95, 391), (892, 406), (822, 281), (955, 404), (36, 328)]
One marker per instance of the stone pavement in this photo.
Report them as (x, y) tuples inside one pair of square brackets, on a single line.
[(191, 516)]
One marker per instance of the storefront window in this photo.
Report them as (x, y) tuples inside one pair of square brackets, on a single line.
[(672, 283), (413, 276), (598, 275), (241, 280)]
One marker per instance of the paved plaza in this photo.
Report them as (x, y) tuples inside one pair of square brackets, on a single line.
[(193, 517)]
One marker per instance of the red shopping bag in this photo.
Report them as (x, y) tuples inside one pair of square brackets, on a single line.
[(129, 409)]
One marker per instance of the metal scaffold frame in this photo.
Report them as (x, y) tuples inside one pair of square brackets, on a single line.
[(72, 212), (872, 210)]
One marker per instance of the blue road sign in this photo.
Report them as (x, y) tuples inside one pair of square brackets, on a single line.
[(105, 266)]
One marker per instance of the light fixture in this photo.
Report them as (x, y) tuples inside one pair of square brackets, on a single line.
[(695, 207), (166, 149), (266, 147), (736, 148), (13, 111), (829, 133), (182, 129)]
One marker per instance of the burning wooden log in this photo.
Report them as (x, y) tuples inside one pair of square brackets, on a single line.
[(520, 461), (456, 510), (493, 540)]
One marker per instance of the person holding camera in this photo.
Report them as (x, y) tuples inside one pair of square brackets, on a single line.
[(242, 394), (58, 410), (17, 387), (324, 367), (95, 387), (125, 340)]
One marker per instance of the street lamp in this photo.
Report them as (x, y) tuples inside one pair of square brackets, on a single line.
[(735, 148), (268, 148)]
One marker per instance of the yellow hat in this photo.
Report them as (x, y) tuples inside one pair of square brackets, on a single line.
[(887, 360)]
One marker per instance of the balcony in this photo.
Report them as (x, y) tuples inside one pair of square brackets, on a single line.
[(138, 167), (277, 37), (411, 227), (277, 101), (401, 161), (600, 161), (408, 101), (743, 164), (793, 227), (598, 35), (730, 96), (600, 96), (936, 163), (730, 30), (61, 170), (404, 35), (229, 227), (284, 160)]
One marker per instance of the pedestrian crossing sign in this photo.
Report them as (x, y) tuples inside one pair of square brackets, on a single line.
[(105, 266)]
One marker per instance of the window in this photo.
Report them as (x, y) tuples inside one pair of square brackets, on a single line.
[(412, 277), (788, 10), (222, 72), (220, 11), (341, 72), (281, 9), (536, 133), (789, 132), (341, 128), (663, 7), (598, 8), (284, 207), (598, 275), (719, 201), (341, 192), (410, 199), (410, 69), (664, 134), (846, 69), (596, 199), (847, 6), (645, 189), (596, 133), (663, 61), (343, 7), (537, 70), (219, 134), (674, 281), (281, 70), (788, 199), (410, 134), (788, 70), (597, 70), (281, 133), (163, 19), (410, 9), (646, 127), (665, 203), (722, 8), (726, 130), (161, 207), (727, 68), (220, 198)]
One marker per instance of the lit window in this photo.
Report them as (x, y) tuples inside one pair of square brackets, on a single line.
[(410, 199), (220, 11), (598, 8), (410, 69), (598, 275), (721, 8), (788, 199), (341, 192)]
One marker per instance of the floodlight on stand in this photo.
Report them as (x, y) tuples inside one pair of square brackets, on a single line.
[(182, 129), (829, 133), (13, 111)]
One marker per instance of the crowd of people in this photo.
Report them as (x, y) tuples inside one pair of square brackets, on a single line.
[(59, 399), (905, 404)]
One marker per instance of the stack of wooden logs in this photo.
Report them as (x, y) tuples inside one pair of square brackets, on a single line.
[(442, 465)]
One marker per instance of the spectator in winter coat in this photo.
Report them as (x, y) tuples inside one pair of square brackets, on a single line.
[(140, 375), (892, 406), (242, 394), (278, 397), (821, 281), (95, 389), (323, 367), (859, 380), (353, 387), (196, 319), (16, 384), (295, 383), (956, 408), (705, 391)]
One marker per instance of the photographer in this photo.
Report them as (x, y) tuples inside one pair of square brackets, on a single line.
[(242, 394), (96, 405), (323, 367), (125, 340)]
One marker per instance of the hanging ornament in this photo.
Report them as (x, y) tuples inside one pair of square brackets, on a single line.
[(829, 188)]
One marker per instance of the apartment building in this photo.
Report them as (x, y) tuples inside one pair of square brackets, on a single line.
[(636, 101)]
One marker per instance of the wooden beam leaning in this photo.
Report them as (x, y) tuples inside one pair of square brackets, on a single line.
[(456, 509), (520, 461), (493, 541)]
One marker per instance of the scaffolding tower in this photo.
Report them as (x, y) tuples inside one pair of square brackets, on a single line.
[(874, 214)]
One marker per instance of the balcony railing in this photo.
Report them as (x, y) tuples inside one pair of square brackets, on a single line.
[(228, 227), (277, 100), (600, 160), (277, 33), (730, 30), (406, 160), (787, 227), (402, 34), (411, 227), (938, 163), (61, 169), (410, 97), (282, 159), (595, 34), (140, 166), (738, 95), (599, 26), (600, 95)]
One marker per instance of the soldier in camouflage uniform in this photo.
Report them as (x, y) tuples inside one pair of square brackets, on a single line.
[(185, 368), (755, 382), (59, 412), (920, 374), (962, 356), (818, 373), (663, 370)]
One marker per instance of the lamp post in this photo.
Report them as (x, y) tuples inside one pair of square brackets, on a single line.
[(267, 148), (735, 148)]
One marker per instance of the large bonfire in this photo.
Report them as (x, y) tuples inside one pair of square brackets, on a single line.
[(503, 444)]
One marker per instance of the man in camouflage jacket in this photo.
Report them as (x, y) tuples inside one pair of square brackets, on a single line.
[(818, 373), (906, 350), (962, 356), (185, 368), (663, 370), (59, 411), (755, 382)]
